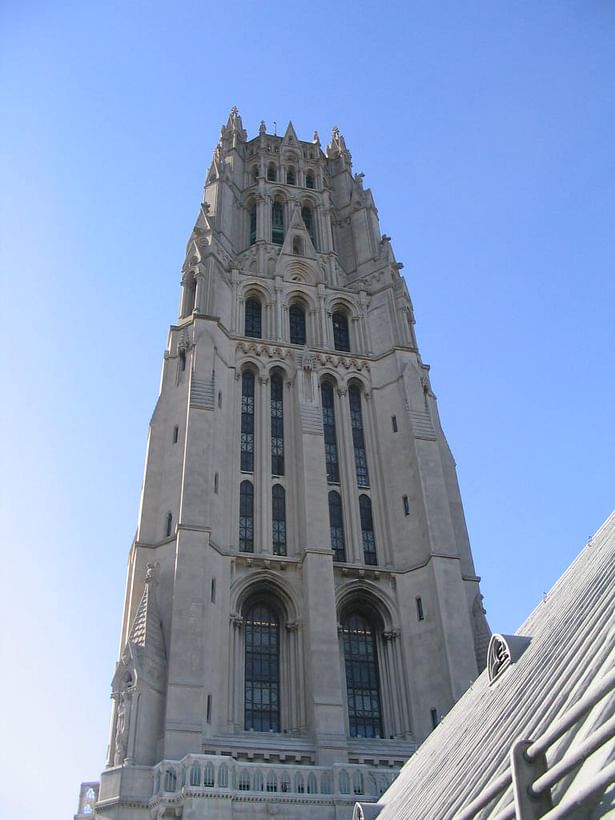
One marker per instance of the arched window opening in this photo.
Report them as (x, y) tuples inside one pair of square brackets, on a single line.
[(341, 334), (246, 517), (208, 778), (253, 318), (247, 422), (296, 318), (168, 528), (262, 672), (278, 510), (223, 776), (277, 223), (362, 678), (271, 172), (312, 784), (170, 780), (253, 223), (367, 530), (308, 220), (358, 439), (299, 783), (344, 781), (195, 775), (330, 436), (291, 178), (309, 180), (272, 782), (277, 425), (257, 782), (336, 524), (244, 781)]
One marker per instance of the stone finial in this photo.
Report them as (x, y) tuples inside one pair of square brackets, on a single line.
[(316, 138), (262, 129)]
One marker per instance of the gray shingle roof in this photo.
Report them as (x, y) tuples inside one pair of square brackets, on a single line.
[(572, 646)]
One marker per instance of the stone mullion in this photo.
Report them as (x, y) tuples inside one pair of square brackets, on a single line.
[(391, 713), (313, 329), (350, 498), (198, 293), (263, 217)]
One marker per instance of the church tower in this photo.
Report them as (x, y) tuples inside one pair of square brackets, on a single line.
[(301, 604)]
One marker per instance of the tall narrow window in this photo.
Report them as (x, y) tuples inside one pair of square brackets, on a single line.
[(246, 517), (271, 173), (278, 518), (253, 223), (262, 670), (277, 425), (296, 318), (168, 527), (253, 322), (309, 180), (367, 530), (247, 422), (308, 220), (362, 679), (358, 439), (336, 524), (328, 423), (341, 335), (291, 178), (277, 223), (255, 174)]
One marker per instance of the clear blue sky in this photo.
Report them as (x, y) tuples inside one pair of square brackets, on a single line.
[(486, 132)]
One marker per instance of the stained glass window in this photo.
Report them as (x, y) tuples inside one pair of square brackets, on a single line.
[(262, 671), (341, 335), (253, 323), (253, 224), (277, 223), (328, 423), (367, 530), (358, 439), (336, 524), (247, 422), (296, 317), (278, 519), (246, 517), (277, 425), (362, 679)]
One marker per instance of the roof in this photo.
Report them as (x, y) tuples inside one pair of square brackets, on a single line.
[(570, 654)]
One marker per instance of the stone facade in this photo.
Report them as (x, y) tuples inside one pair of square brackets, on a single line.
[(301, 604)]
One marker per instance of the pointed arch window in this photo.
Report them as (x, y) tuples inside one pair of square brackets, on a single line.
[(291, 178), (296, 318), (253, 318), (277, 425), (309, 180), (336, 524), (341, 334), (247, 422), (358, 438), (278, 518), (271, 175), (308, 220), (277, 223), (330, 435), (253, 223), (246, 517), (262, 670), (362, 677), (367, 530)]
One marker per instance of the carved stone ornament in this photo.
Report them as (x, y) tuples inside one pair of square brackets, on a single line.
[(503, 651)]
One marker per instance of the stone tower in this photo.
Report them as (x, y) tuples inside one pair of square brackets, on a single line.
[(301, 603)]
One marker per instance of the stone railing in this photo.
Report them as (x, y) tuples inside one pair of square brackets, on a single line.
[(196, 775)]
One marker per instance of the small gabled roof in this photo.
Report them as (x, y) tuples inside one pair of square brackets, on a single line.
[(571, 649)]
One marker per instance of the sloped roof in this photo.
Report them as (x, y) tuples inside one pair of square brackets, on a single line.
[(572, 647)]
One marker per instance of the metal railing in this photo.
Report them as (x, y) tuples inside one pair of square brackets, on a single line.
[(532, 779)]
